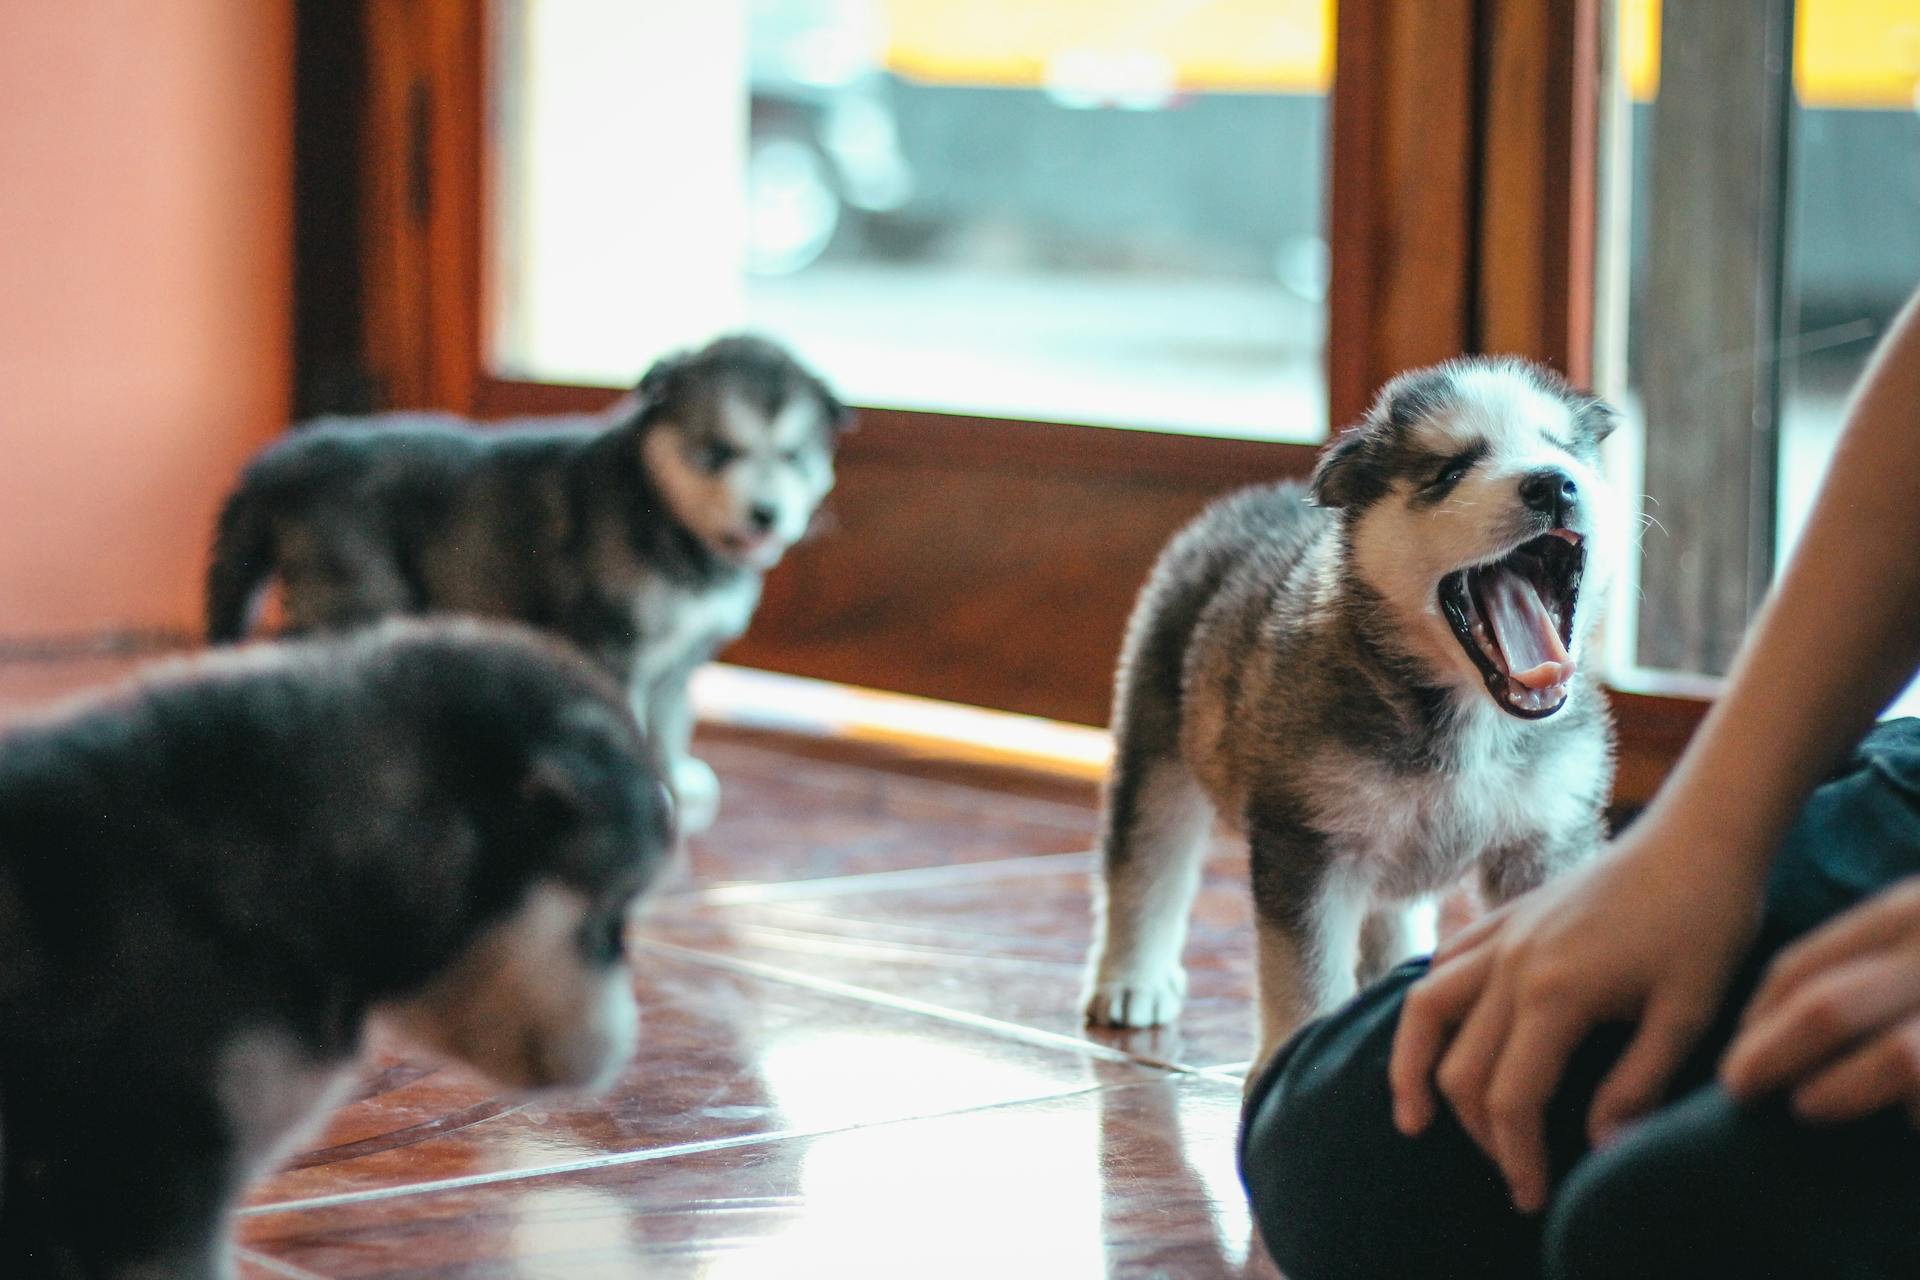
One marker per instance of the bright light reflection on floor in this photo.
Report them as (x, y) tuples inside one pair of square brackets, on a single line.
[(1015, 1192), (576, 1231), (832, 1079)]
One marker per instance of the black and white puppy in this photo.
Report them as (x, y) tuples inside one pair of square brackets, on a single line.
[(211, 879), (1377, 680), (641, 535)]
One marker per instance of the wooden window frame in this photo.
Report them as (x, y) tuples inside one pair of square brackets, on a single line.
[(1461, 218), (1709, 377)]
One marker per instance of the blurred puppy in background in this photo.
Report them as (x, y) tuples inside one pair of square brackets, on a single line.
[(212, 879), (641, 535)]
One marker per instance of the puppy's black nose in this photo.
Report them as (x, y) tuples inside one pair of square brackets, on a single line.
[(1550, 491), (761, 517)]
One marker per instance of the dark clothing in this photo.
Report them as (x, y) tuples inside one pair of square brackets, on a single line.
[(1701, 1188)]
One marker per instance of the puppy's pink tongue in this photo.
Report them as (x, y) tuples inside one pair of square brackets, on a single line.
[(1528, 636)]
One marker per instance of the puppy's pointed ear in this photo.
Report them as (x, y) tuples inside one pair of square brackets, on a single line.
[(660, 384), (1595, 420), (1339, 477), (839, 416)]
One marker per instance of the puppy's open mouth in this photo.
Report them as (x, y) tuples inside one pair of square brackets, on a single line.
[(1514, 618)]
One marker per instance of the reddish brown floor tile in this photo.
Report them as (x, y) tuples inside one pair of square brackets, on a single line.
[(1123, 1181), (724, 1057), (1006, 942), (784, 817), (253, 1266)]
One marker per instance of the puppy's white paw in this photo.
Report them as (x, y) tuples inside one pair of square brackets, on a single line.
[(1143, 996), (696, 793)]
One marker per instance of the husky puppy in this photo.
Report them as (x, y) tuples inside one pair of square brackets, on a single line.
[(212, 879), (640, 535), (1376, 680)]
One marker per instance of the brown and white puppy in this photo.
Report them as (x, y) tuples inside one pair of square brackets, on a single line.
[(1378, 680), (641, 535), (213, 879)]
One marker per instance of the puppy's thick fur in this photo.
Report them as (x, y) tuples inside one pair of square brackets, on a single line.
[(210, 881), (1376, 680), (640, 535)]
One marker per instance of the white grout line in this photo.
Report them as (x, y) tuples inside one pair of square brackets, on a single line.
[(1234, 1071), (907, 1004), (797, 937), (613, 1160), (275, 1265), (867, 881), (584, 1165)]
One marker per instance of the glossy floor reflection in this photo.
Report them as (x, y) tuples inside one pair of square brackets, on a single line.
[(861, 1058)]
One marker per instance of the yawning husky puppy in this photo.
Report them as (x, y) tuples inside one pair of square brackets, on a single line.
[(210, 881), (641, 535), (1377, 680)]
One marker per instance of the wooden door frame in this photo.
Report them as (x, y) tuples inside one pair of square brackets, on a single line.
[(1461, 219)]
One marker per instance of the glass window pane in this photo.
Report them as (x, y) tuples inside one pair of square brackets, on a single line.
[(1853, 248), (1828, 209), (1105, 211)]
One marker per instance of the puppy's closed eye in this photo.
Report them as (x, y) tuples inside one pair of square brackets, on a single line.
[(1455, 469), (715, 455)]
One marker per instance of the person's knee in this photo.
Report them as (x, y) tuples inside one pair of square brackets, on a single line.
[(1306, 1186), (1600, 1223), (1337, 1190), (1675, 1198), (1708, 1189)]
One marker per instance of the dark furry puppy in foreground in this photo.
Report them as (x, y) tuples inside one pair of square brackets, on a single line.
[(641, 535), (212, 879)]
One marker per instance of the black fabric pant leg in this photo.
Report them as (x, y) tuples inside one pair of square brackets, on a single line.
[(1706, 1188), (1340, 1193)]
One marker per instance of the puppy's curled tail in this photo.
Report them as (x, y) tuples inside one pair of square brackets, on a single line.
[(243, 559)]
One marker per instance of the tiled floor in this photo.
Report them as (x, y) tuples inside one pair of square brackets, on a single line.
[(861, 1058)]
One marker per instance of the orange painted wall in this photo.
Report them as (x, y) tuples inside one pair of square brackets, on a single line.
[(145, 295)]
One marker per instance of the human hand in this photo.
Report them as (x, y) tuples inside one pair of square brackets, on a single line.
[(1648, 933), (1837, 1018)]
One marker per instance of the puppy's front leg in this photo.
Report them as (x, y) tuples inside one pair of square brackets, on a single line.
[(1308, 913), (667, 713), (1152, 840)]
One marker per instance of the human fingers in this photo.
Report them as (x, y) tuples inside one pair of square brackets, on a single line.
[(1822, 1017), (1434, 1007), (1882, 1073), (1668, 1029), (1467, 1065), (1524, 1078), (1871, 926)]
